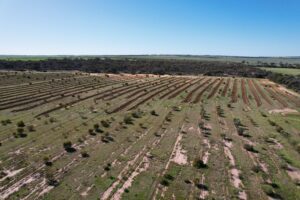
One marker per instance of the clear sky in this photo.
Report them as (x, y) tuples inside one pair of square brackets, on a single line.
[(200, 27)]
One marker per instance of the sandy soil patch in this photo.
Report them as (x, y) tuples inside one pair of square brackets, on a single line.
[(11, 173), (86, 192), (180, 156), (294, 173), (234, 172), (204, 193), (283, 111)]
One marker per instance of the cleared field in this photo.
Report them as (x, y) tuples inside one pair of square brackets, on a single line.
[(289, 71), (103, 136)]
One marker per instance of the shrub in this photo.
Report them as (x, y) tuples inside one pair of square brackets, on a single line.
[(256, 168), (47, 161), (202, 186), (143, 126), (272, 123), (84, 154), (30, 128), (164, 182), (52, 120), (237, 122), (20, 124), (107, 139), (157, 134), (5, 122), (52, 182), (177, 108), (220, 111), (91, 132), (169, 177), (153, 112), (96, 126), (263, 114), (271, 193), (137, 114), (68, 147), (128, 120), (199, 164), (20, 130), (250, 147), (105, 123), (107, 167)]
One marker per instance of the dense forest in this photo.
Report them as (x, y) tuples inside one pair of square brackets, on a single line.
[(154, 66)]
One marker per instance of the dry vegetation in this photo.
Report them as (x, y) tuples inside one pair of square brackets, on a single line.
[(74, 135)]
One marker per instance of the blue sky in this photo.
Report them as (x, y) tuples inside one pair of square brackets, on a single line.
[(200, 27)]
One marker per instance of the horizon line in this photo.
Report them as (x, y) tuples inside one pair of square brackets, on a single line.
[(108, 55)]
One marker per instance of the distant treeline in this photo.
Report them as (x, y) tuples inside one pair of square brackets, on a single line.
[(154, 66)]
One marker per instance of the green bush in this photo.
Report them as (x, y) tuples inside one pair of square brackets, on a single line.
[(199, 164), (128, 120), (250, 147), (105, 123), (20, 124)]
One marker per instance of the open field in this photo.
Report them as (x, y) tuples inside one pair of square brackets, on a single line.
[(289, 71), (104, 136)]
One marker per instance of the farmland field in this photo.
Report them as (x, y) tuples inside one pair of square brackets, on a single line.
[(75, 135), (289, 71)]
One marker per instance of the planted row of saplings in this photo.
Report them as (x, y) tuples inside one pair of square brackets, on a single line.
[(34, 87), (174, 88), (152, 96), (161, 86), (140, 87), (199, 95), (98, 129), (73, 95), (69, 147), (276, 96), (161, 89), (227, 85), (261, 92), (22, 86), (188, 98), (215, 89), (254, 92), (111, 92), (141, 90), (74, 81), (295, 143), (234, 94), (53, 97), (29, 89), (242, 130), (45, 89), (244, 92), (127, 88), (103, 94), (292, 98), (182, 88), (51, 92)]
